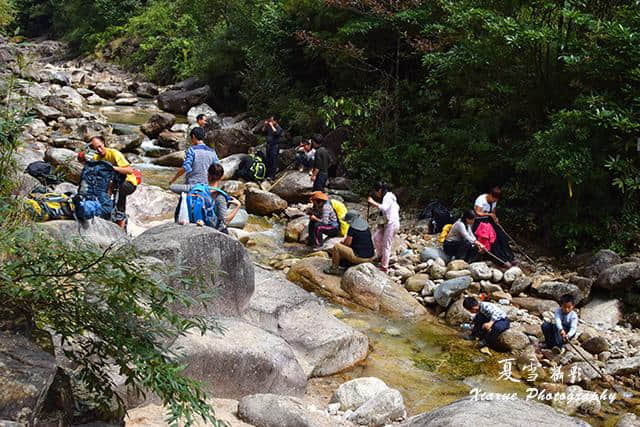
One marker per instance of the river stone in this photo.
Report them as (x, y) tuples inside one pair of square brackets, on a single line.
[(201, 109), (240, 220), (535, 305), (429, 288), (457, 265), (596, 345), (108, 89), (37, 127), (454, 274), (234, 188), (370, 287), (150, 203), (223, 262), (469, 412), (433, 253), (27, 374), (599, 262), (180, 101), (496, 275), (309, 274), (512, 340), (602, 314), (294, 187), (190, 83), (96, 100), (173, 140), (512, 274), (295, 229), (157, 123), (480, 271), (156, 416), (67, 163), (46, 112), (71, 95), (25, 184), (437, 271), (36, 91), (451, 289), (323, 344), (231, 164), (457, 314), (416, 282), (586, 402), (126, 101), (145, 89), (96, 231), (175, 159), (261, 202), (241, 361), (56, 77), (354, 393), (230, 141), (625, 366), (628, 420), (555, 291), (620, 277), (521, 284), (383, 408), (270, 410)]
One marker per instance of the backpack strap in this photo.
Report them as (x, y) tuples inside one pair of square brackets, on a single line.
[(224, 193)]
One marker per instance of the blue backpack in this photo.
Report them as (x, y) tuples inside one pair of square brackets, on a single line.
[(93, 197), (201, 205)]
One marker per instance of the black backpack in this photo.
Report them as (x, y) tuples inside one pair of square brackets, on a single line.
[(438, 216), (42, 171)]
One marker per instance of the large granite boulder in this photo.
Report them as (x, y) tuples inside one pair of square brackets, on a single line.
[(262, 202), (535, 305), (231, 164), (354, 393), (216, 259), (599, 262), (295, 229), (604, 314), (620, 277), (157, 123), (66, 163), (96, 231), (230, 141), (150, 203), (175, 159), (294, 187), (270, 410), (240, 361), (180, 101), (68, 109), (309, 274), (108, 89), (382, 409), (555, 291)]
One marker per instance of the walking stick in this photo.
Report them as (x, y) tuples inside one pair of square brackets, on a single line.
[(516, 244), (496, 258)]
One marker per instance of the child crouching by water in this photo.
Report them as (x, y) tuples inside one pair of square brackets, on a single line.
[(564, 326), (488, 323)]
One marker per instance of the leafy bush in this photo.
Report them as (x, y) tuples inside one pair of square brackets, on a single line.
[(7, 13)]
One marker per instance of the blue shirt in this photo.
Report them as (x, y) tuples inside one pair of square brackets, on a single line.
[(196, 164)]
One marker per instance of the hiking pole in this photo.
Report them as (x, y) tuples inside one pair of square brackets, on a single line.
[(516, 244), (495, 257)]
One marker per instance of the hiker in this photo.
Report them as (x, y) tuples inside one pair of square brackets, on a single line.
[(564, 326), (274, 133), (321, 164), (252, 168), (461, 243), (485, 209), (488, 323), (323, 220), (384, 235), (305, 155), (197, 160), (127, 185), (357, 246), (220, 199), (201, 122)]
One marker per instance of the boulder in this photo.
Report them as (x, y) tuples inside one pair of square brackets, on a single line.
[(71, 95), (596, 345), (497, 275), (84, 129), (511, 275), (231, 165), (126, 101), (150, 203), (371, 288), (66, 163), (156, 416), (521, 284), (429, 288), (322, 344), (457, 314), (295, 229), (512, 340), (157, 123), (619, 277), (555, 291), (46, 112), (458, 265), (25, 184), (309, 274), (145, 89), (173, 140), (480, 271), (201, 109), (240, 361), (231, 141), (96, 100), (625, 366), (96, 231), (190, 83), (454, 274), (438, 270), (108, 89), (175, 159), (36, 91), (180, 101), (433, 253), (471, 412), (599, 262), (451, 289), (602, 314), (240, 220), (294, 187), (220, 261), (270, 410), (535, 305), (383, 408), (55, 77), (340, 183), (125, 143), (234, 188), (354, 393), (36, 128), (628, 420), (416, 282), (261, 202), (585, 402)]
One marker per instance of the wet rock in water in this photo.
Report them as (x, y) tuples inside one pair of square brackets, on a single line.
[(354, 393), (126, 101), (449, 290), (144, 89), (323, 344), (261, 202), (230, 141), (66, 162), (173, 140), (96, 231), (201, 109), (599, 262), (470, 412), (457, 314), (157, 123), (46, 112), (175, 159), (225, 266), (521, 284), (180, 101), (231, 164), (619, 277), (294, 187), (383, 408), (512, 340), (241, 361), (416, 282), (433, 253), (270, 410), (309, 274), (480, 271), (295, 229), (108, 89), (596, 345), (512, 274), (535, 305), (555, 291), (605, 314)]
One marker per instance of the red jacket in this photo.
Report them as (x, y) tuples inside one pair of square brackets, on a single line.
[(486, 235)]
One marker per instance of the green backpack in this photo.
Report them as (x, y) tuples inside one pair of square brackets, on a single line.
[(258, 168)]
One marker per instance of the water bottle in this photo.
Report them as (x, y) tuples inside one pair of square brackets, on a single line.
[(466, 326)]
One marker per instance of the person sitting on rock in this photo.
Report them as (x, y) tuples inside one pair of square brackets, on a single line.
[(564, 326), (357, 246), (197, 160), (485, 209), (305, 155), (461, 243), (323, 220), (488, 323), (126, 186), (220, 200), (321, 164)]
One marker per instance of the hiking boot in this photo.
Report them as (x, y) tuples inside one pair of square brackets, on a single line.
[(332, 271)]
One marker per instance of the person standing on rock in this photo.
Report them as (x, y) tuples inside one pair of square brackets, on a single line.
[(357, 246), (274, 133), (321, 164), (485, 210), (197, 160), (384, 236), (120, 164), (488, 323), (564, 326), (201, 122), (461, 243), (323, 220)]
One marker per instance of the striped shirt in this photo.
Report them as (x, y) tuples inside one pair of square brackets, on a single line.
[(492, 311)]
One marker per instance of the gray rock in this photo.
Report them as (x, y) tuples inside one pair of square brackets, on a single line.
[(96, 231), (231, 165), (512, 340), (469, 412), (535, 305), (433, 253), (480, 271), (65, 107), (429, 288), (416, 282), (126, 101), (231, 141), (354, 393), (625, 366), (221, 262), (96, 100), (201, 109), (25, 184), (175, 159), (521, 284), (37, 128), (150, 203), (596, 345), (125, 143), (108, 90), (157, 123), (36, 91), (381, 409), (599, 262), (46, 112), (437, 270), (261, 202), (628, 420), (173, 140), (555, 291), (65, 187), (457, 314), (270, 410), (619, 277), (451, 289), (66, 161), (180, 101), (511, 275), (602, 314), (295, 229), (145, 89), (71, 95), (294, 187), (243, 360), (240, 220)]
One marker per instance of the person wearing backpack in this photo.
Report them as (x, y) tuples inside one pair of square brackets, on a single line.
[(252, 168), (197, 160), (461, 243), (323, 220), (485, 210), (384, 236), (129, 177)]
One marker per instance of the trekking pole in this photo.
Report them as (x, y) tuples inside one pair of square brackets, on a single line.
[(496, 258), (516, 244)]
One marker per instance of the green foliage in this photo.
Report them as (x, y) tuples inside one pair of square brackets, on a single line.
[(7, 14)]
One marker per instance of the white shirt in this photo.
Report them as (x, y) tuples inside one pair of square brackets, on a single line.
[(461, 231), (482, 203), (390, 208)]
